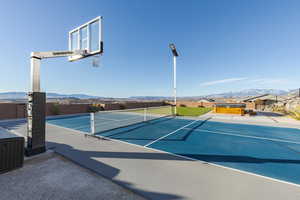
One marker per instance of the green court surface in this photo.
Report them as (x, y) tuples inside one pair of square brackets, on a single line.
[(191, 111)]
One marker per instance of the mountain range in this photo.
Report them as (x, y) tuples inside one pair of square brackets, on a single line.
[(251, 92), (242, 93), (23, 95)]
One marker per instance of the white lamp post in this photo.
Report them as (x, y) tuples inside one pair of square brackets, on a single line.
[(175, 55)]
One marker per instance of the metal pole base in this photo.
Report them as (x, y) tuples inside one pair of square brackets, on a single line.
[(36, 131), (35, 151)]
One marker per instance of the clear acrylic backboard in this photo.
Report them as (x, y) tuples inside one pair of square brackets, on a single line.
[(86, 39)]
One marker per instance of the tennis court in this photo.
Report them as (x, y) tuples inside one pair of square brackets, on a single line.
[(263, 150)]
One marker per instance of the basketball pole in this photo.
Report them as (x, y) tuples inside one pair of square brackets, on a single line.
[(36, 107)]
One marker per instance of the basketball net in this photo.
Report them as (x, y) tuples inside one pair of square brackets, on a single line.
[(96, 61)]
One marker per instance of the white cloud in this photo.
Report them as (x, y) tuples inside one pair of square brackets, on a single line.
[(228, 80), (266, 81)]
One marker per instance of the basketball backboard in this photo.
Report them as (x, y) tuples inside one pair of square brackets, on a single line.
[(86, 39)]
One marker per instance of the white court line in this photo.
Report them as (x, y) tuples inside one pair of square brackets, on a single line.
[(171, 133), (247, 136)]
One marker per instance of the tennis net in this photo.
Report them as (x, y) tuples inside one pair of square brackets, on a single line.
[(108, 120)]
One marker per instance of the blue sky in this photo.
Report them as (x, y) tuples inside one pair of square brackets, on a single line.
[(223, 45)]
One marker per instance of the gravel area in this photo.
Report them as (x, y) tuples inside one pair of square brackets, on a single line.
[(54, 177)]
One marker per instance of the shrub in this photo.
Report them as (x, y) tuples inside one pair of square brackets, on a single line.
[(182, 105), (122, 107), (278, 109), (251, 112), (55, 109), (95, 108), (296, 113)]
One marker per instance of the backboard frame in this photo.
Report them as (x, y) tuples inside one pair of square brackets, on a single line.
[(86, 51)]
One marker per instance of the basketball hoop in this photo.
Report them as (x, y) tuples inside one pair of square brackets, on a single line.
[(96, 61)]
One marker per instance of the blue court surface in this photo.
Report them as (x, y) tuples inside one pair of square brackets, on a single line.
[(264, 150)]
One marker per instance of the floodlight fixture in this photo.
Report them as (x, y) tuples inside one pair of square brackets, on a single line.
[(173, 49)]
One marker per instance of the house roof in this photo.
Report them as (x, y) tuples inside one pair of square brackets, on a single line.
[(258, 97), (206, 100)]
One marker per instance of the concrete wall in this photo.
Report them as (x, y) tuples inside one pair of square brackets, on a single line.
[(195, 104), (130, 105), (249, 105), (13, 111), (65, 109)]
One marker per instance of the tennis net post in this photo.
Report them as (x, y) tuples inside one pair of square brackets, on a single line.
[(92, 115), (145, 114)]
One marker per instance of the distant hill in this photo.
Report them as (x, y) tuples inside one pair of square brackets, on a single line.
[(242, 93), (149, 98), (13, 95), (78, 96), (250, 92), (23, 95), (294, 92)]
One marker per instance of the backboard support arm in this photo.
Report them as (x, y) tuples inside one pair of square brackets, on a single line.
[(35, 62)]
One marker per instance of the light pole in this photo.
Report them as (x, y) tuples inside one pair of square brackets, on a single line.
[(175, 55)]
